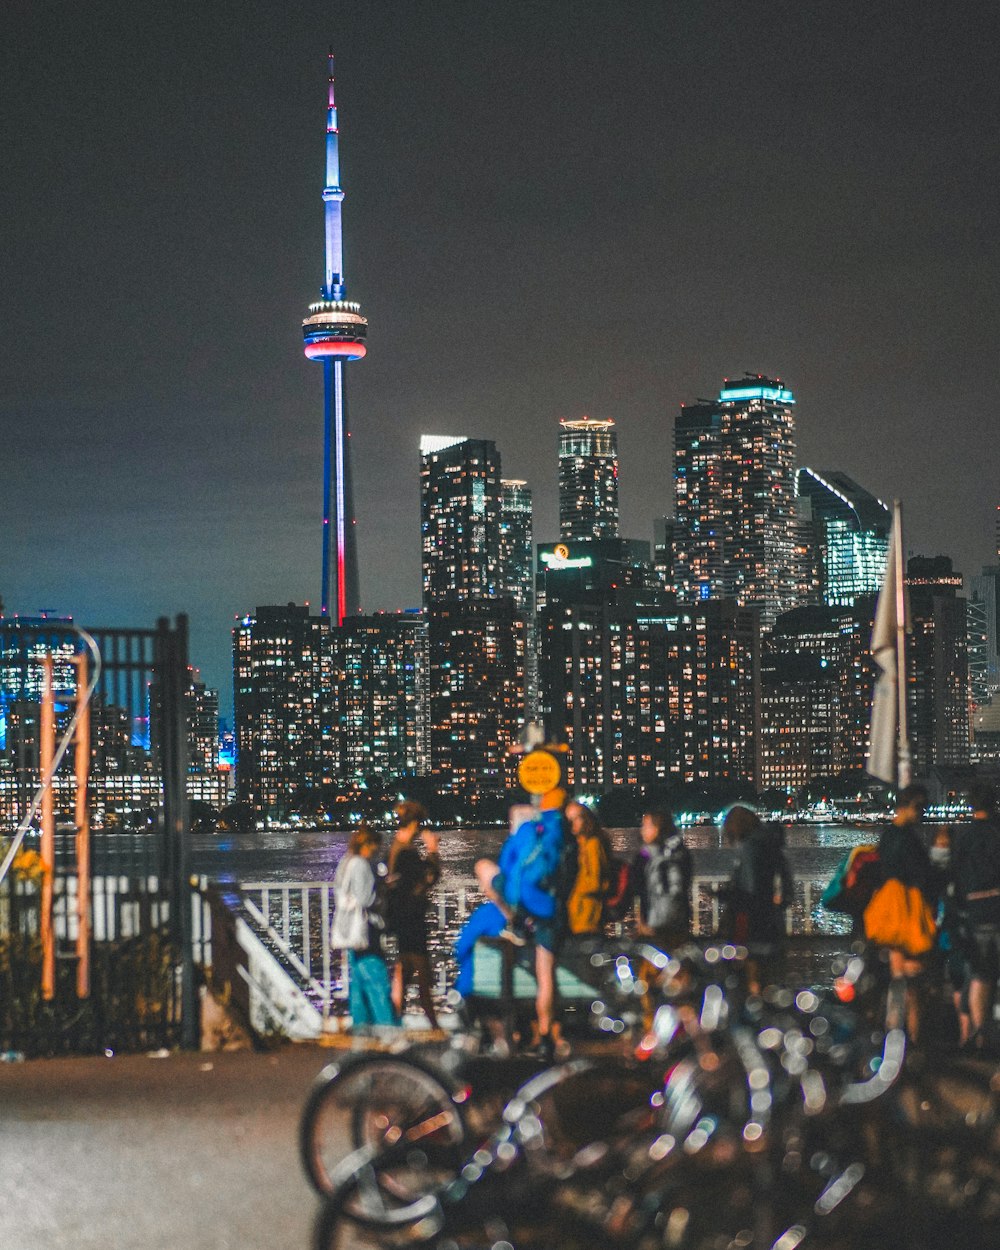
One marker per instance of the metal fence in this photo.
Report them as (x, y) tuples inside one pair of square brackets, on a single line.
[(113, 829)]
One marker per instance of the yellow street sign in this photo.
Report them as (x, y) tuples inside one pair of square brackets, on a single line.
[(539, 772)]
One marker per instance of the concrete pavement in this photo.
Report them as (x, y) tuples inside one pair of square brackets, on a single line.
[(200, 1151), (187, 1152)]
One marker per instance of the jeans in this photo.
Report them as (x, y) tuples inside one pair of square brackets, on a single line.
[(369, 997)]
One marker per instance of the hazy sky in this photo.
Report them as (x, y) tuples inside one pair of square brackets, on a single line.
[(552, 208)]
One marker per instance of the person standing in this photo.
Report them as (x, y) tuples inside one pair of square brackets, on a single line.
[(411, 877), (357, 929), (661, 881), (903, 858), (585, 905), (527, 884), (976, 873), (759, 891)]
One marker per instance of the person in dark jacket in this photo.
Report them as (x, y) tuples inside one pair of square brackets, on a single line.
[(903, 857), (661, 881), (976, 873), (759, 891), (411, 876)]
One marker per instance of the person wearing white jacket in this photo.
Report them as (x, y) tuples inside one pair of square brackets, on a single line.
[(354, 930)]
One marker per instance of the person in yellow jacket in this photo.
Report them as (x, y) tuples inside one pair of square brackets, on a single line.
[(585, 905)]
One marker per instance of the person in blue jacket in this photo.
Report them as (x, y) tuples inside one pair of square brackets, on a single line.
[(486, 921), (528, 883)]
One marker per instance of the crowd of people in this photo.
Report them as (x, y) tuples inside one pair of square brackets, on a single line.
[(932, 901), (943, 918)]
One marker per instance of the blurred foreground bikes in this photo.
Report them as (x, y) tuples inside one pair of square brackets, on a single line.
[(701, 1116)]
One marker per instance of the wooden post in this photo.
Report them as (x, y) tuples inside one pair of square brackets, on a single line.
[(46, 757), (82, 770)]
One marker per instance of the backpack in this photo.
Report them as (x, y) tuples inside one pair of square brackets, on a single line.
[(538, 863), (854, 882), (619, 896)]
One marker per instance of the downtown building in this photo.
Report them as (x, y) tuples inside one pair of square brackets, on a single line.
[(209, 778), (124, 784), (937, 666), (588, 479), (736, 533), (647, 696), (984, 659), (286, 744), (644, 692), (322, 710), (851, 529), (817, 675), (380, 675), (817, 681), (477, 603)]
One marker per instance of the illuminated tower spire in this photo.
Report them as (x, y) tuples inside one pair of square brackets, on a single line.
[(333, 197), (334, 334)]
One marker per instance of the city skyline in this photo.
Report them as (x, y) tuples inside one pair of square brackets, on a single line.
[(859, 268)]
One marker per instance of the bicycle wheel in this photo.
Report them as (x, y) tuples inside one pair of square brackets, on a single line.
[(355, 1216), (396, 1106)]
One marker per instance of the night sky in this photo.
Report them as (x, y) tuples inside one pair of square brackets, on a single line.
[(552, 209)]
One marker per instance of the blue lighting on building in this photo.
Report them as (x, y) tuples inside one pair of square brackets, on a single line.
[(775, 394)]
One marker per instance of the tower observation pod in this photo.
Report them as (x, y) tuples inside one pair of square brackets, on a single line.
[(334, 333)]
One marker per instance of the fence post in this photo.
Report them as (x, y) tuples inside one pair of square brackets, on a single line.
[(46, 755), (174, 677)]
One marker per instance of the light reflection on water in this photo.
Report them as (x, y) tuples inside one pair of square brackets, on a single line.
[(313, 854), (310, 855)]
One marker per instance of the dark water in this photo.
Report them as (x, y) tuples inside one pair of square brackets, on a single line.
[(312, 855)]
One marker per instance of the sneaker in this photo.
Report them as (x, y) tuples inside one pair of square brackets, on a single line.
[(544, 1049), (507, 934)]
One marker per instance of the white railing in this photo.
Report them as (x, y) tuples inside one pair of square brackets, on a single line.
[(296, 916)]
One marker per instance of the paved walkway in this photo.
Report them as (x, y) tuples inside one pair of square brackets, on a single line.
[(190, 1152), (200, 1152)]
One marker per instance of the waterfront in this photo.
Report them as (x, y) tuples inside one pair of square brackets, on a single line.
[(279, 856), (281, 871)]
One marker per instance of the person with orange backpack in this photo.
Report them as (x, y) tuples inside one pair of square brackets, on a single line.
[(900, 916)]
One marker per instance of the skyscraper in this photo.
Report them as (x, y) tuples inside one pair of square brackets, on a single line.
[(516, 557), (984, 650), (853, 528), (588, 479), (735, 534), (206, 780), (285, 734), (816, 693), (380, 696), (937, 664), (644, 695), (477, 695), (334, 334), (459, 518)]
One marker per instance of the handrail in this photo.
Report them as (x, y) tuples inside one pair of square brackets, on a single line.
[(46, 782), (275, 937)]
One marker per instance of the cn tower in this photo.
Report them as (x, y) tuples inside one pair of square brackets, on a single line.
[(334, 333)]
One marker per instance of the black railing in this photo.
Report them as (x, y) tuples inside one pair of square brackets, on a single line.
[(142, 989)]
